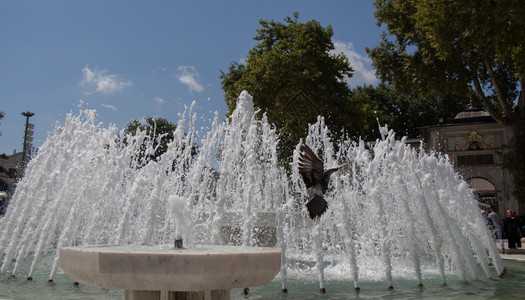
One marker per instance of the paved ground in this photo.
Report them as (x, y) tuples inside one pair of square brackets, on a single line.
[(516, 254)]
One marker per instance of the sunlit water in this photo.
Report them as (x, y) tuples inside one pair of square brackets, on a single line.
[(511, 286), (397, 216)]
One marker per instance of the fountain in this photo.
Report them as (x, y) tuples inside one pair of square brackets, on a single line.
[(396, 214), (153, 272)]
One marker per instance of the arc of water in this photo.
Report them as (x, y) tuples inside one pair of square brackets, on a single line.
[(10, 228), (16, 229), (185, 189), (44, 230), (23, 226), (445, 223), (68, 233), (318, 137), (434, 240), (225, 188), (449, 235), (482, 242), (347, 189), (317, 238), (151, 210), (469, 211), (27, 241), (467, 251), (385, 240), (292, 232), (281, 242), (141, 197), (43, 240), (406, 157), (411, 231), (175, 163), (484, 245), (218, 210), (202, 176), (474, 223), (130, 202), (97, 203), (350, 244), (128, 169), (377, 192), (250, 190), (33, 224), (13, 230)]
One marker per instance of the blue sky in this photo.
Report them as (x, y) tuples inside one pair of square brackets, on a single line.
[(131, 59)]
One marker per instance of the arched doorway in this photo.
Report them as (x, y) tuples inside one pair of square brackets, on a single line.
[(484, 190)]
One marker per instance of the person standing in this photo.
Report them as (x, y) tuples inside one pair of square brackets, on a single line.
[(496, 226), (512, 230)]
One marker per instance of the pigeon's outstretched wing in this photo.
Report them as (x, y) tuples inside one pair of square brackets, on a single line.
[(311, 167), (316, 180), (326, 176)]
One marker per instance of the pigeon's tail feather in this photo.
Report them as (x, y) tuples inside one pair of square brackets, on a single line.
[(316, 206)]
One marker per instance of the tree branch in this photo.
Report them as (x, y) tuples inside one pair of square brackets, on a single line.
[(486, 103), (507, 109)]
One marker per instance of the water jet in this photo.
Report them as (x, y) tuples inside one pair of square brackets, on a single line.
[(400, 214)]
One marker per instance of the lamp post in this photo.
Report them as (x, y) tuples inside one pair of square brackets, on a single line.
[(28, 135)]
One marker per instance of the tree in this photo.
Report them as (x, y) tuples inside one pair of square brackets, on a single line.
[(470, 48), (293, 77), (159, 130), (405, 113)]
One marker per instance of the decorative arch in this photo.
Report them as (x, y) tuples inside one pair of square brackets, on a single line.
[(484, 190), (480, 184)]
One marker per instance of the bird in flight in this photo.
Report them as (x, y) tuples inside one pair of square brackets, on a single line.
[(316, 180)]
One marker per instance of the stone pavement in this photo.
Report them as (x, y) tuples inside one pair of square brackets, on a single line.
[(514, 254)]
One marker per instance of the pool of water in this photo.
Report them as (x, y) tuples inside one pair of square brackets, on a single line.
[(511, 286)]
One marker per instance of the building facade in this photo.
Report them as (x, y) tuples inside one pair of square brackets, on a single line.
[(476, 145)]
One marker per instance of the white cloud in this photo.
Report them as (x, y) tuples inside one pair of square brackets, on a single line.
[(102, 81), (159, 100), (189, 77), (160, 69), (109, 106), (362, 65)]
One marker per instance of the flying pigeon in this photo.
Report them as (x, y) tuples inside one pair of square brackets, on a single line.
[(316, 180)]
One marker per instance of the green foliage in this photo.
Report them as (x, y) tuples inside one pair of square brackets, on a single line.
[(405, 113), (159, 132), (293, 77), (470, 48)]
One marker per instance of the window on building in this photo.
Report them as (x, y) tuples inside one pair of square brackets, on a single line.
[(474, 160)]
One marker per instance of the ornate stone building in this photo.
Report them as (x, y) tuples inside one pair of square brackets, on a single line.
[(475, 143)]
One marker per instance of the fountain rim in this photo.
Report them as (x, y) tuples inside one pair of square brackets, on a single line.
[(204, 249)]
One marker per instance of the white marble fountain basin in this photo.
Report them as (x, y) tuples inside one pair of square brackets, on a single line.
[(162, 268)]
